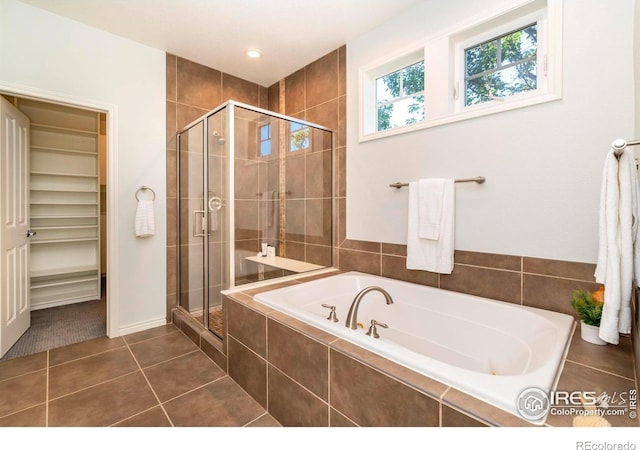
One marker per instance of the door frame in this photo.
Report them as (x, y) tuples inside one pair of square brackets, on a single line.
[(111, 111)]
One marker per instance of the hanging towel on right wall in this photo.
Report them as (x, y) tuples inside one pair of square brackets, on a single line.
[(430, 232), (618, 264)]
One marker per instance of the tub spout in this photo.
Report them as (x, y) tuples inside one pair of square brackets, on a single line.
[(352, 317)]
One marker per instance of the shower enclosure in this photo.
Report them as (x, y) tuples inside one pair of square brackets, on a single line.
[(249, 179)]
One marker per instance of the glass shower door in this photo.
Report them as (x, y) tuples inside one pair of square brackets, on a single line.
[(191, 213)]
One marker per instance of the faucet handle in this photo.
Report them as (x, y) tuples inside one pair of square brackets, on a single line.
[(332, 315), (373, 331)]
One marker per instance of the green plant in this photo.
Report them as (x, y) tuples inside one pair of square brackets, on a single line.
[(589, 309)]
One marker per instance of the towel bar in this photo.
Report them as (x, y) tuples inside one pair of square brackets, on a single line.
[(478, 180)]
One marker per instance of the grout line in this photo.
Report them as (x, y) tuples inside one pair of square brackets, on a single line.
[(131, 417), (46, 405), (94, 385), (600, 370), (92, 355), (521, 280), (254, 420), (150, 387)]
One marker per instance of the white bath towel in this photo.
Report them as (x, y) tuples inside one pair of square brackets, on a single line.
[(430, 207), (145, 224), (618, 255), (434, 255)]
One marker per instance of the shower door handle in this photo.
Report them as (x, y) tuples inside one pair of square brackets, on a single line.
[(203, 225)]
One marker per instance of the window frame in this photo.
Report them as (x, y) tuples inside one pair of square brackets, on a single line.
[(445, 53), (494, 32)]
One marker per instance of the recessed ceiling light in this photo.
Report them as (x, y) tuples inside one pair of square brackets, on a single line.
[(253, 53)]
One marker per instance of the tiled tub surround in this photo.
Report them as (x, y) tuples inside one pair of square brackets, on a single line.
[(304, 376), (490, 349)]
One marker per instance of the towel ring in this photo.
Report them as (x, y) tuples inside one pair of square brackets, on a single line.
[(146, 188)]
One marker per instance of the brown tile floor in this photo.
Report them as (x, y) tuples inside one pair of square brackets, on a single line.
[(156, 377)]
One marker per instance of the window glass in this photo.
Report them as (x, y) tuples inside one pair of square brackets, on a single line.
[(400, 97), (265, 140), (299, 137), (502, 67)]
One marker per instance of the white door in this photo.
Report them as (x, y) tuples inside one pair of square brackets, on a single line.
[(15, 308)]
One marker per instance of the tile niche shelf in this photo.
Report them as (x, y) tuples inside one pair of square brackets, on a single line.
[(64, 204)]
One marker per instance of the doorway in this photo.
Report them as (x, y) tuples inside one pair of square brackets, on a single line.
[(67, 224)]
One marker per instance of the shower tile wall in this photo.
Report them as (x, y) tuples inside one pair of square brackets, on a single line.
[(317, 93), (192, 91)]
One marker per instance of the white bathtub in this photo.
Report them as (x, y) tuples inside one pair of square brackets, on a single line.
[(489, 349)]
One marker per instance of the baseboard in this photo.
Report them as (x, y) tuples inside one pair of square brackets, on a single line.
[(141, 326)]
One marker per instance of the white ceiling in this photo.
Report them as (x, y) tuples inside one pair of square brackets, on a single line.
[(289, 33)]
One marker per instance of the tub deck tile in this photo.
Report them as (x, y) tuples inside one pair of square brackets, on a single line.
[(477, 409), (432, 388)]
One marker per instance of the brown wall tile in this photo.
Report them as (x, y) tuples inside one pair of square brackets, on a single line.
[(198, 85), (494, 261), (234, 88), (248, 326), (274, 97), (248, 370), (477, 408), (172, 125), (563, 269), (292, 405), (318, 221), (322, 79), (171, 64), (366, 262), (454, 418), (396, 267), (325, 114), (294, 92), (301, 358), (496, 284), (403, 406), (552, 293)]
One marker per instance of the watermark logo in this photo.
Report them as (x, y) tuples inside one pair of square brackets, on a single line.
[(533, 404)]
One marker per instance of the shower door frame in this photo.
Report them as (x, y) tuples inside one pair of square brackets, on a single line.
[(230, 167)]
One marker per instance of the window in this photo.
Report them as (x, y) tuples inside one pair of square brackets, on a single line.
[(400, 97), (265, 140), (504, 66), (507, 58), (298, 137)]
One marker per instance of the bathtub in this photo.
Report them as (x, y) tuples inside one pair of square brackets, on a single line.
[(489, 349)]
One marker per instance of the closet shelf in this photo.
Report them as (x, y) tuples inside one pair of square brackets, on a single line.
[(51, 283), (62, 271), (57, 174), (64, 227), (64, 129), (79, 191), (63, 150), (64, 217), (63, 241), (65, 203)]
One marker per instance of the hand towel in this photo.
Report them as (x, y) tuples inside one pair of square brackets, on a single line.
[(617, 265), (430, 206), (434, 255), (145, 225)]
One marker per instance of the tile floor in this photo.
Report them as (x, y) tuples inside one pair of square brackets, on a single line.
[(153, 378)]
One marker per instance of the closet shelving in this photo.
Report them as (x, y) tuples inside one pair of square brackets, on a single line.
[(64, 204)]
